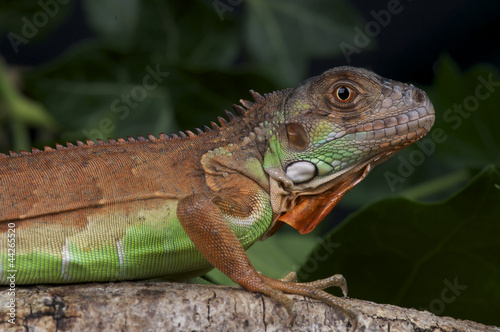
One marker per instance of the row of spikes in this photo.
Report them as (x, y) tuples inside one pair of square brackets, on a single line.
[(240, 111)]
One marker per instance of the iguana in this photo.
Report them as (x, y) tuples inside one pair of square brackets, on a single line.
[(176, 206)]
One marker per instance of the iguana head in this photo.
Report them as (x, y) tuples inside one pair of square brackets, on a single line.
[(335, 128)]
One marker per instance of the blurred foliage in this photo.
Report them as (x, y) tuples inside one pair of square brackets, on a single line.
[(441, 257), (157, 66), (31, 20), (209, 65)]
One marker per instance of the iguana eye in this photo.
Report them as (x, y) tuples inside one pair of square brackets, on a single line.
[(344, 94)]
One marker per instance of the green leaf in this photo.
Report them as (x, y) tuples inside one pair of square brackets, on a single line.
[(26, 20), (468, 115), (442, 257), (283, 35), (189, 36), (20, 112), (114, 20), (94, 94)]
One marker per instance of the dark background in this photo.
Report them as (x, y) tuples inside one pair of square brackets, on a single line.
[(406, 49), (61, 83)]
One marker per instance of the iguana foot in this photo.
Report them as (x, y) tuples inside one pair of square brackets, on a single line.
[(314, 290), (336, 280)]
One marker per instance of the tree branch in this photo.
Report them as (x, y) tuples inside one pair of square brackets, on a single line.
[(142, 306)]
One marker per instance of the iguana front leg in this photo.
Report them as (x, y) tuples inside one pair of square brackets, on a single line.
[(205, 220)]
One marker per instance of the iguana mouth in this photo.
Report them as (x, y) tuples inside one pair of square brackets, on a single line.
[(306, 209), (397, 128)]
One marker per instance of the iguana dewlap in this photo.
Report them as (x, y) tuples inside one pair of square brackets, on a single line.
[(177, 206)]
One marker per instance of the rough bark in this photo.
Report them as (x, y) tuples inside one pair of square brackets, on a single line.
[(152, 306)]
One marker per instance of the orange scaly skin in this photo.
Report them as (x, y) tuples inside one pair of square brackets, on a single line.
[(178, 206)]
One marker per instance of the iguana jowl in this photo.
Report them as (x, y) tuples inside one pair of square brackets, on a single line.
[(175, 206)]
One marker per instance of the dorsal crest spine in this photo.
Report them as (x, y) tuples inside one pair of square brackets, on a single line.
[(241, 110)]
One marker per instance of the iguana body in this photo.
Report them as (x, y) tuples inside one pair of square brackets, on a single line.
[(177, 206)]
